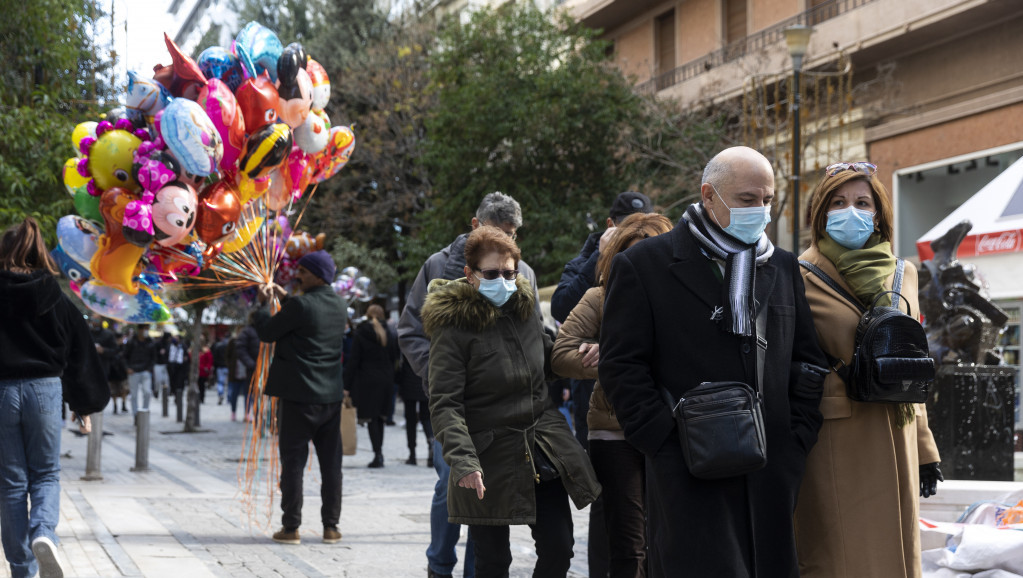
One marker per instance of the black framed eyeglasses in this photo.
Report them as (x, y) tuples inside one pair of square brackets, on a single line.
[(491, 274), (860, 167)]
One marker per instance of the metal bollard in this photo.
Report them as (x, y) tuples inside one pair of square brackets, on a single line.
[(163, 393), (141, 441), (93, 456), (179, 405)]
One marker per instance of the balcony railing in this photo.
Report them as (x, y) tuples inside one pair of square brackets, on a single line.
[(751, 44)]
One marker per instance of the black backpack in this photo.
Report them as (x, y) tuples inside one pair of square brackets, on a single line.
[(891, 361)]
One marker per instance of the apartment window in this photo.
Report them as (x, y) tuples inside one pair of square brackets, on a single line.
[(735, 20), (664, 39)]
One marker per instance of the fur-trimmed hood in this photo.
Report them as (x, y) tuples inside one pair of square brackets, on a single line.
[(456, 303)]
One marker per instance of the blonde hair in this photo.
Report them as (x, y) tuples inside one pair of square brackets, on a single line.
[(375, 313)]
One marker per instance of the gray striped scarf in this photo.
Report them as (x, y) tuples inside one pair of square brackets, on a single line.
[(741, 261)]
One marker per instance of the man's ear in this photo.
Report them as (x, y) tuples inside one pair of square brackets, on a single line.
[(610, 223), (475, 223), (468, 273)]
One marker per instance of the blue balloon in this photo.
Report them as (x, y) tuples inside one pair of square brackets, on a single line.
[(218, 62), (77, 238), (191, 137), (71, 269), (263, 46)]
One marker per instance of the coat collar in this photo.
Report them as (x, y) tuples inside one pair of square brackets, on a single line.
[(456, 303), (693, 269), (813, 255)]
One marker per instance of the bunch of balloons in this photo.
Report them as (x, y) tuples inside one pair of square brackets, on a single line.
[(352, 284), (190, 168)]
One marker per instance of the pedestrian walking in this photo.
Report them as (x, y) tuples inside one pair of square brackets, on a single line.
[(501, 211), (862, 482), (48, 358), (369, 376), (306, 377), (417, 411), (140, 357), (177, 365), (205, 371), (117, 376), (161, 369), (494, 416), (620, 467), (682, 309), (220, 369)]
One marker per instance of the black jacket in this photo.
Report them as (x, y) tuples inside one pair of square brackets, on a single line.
[(658, 332), (140, 355), (579, 275), (369, 370), (42, 334)]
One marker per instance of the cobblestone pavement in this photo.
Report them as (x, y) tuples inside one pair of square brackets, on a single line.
[(185, 517)]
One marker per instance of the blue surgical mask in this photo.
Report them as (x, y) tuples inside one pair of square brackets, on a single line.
[(746, 224), (497, 291), (850, 227)]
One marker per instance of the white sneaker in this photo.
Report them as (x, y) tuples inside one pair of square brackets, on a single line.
[(47, 557)]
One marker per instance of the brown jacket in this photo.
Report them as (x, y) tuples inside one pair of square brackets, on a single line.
[(858, 505), (583, 326)]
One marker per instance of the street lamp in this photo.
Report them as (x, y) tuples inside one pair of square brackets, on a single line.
[(797, 38)]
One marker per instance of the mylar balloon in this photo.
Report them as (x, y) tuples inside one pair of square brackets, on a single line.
[(78, 237), (88, 206), (300, 244), (69, 267), (246, 229), (222, 108), (265, 150), (140, 307), (363, 289), (110, 157), (183, 78), (249, 189), (352, 272), (343, 285), (218, 213), (73, 180), (145, 97), (294, 86), (82, 130), (299, 172), (191, 137), (321, 84), (169, 263), (335, 156), (263, 47), (258, 100), (116, 261), (312, 135), (174, 213), (217, 62), (278, 195)]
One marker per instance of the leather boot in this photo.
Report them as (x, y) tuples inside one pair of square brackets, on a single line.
[(378, 461), (411, 457)]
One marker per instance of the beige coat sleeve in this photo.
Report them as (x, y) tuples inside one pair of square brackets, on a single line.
[(582, 326)]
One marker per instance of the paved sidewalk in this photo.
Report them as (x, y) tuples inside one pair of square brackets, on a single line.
[(185, 517)]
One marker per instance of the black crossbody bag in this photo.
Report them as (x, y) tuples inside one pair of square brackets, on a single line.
[(891, 361), (721, 423)]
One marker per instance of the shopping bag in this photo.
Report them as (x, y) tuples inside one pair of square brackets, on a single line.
[(348, 427)]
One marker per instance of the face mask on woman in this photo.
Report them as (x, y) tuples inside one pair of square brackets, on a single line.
[(850, 227), (745, 223), (497, 291)]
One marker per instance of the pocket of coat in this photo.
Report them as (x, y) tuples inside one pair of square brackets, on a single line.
[(481, 440), (836, 407)]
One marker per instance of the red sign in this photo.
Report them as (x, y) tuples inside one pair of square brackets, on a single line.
[(984, 244)]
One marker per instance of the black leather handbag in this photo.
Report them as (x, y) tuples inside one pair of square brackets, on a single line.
[(721, 423)]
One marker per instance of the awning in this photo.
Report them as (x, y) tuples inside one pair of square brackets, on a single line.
[(996, 212)]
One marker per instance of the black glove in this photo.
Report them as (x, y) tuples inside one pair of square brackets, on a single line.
[(930, 475)]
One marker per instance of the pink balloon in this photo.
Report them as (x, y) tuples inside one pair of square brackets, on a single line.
[(222, 108)]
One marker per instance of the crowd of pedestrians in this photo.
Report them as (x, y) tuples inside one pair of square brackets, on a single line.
[(648, 312)]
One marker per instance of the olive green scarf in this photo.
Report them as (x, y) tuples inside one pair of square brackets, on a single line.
[(865, 272)]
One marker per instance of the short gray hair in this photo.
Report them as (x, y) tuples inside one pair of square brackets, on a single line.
[(498, 208), (716, 171)]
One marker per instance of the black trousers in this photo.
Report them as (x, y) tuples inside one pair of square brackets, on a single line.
[(621, 470), (298, 424), (552, 534), (417, 412), (376, 434)]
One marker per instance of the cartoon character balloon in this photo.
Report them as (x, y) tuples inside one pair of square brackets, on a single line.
[(191, 136), (312, 135), (258, 100), (336, 154), (143, 306), (221, 106), (145, 98), (218, 63), (294, 86), (265, 150), (116, 261), (248, 226), (78, 237), (183, 77), (218, 213), (107, 159), (174, 213), (321, 84)]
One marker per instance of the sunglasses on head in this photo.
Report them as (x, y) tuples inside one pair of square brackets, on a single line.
[(860, 167), (491, 274)]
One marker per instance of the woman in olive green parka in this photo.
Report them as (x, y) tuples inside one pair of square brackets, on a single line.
[(491, 411)]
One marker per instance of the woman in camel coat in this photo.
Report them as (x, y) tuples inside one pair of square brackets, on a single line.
[(858, 505)]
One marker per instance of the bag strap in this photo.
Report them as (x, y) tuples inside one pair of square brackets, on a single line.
[(900, 269), (834, 286), (761, 348)]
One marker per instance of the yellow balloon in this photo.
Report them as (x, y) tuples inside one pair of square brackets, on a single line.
[(249, 189), (243, 235), (110, 160), (81, 131), (73, 180)]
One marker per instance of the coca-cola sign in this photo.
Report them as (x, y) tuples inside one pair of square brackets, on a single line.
[(1003, 242)]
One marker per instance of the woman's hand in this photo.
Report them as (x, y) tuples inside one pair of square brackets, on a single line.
[(590, 353), (473, 481), (85, 425)]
